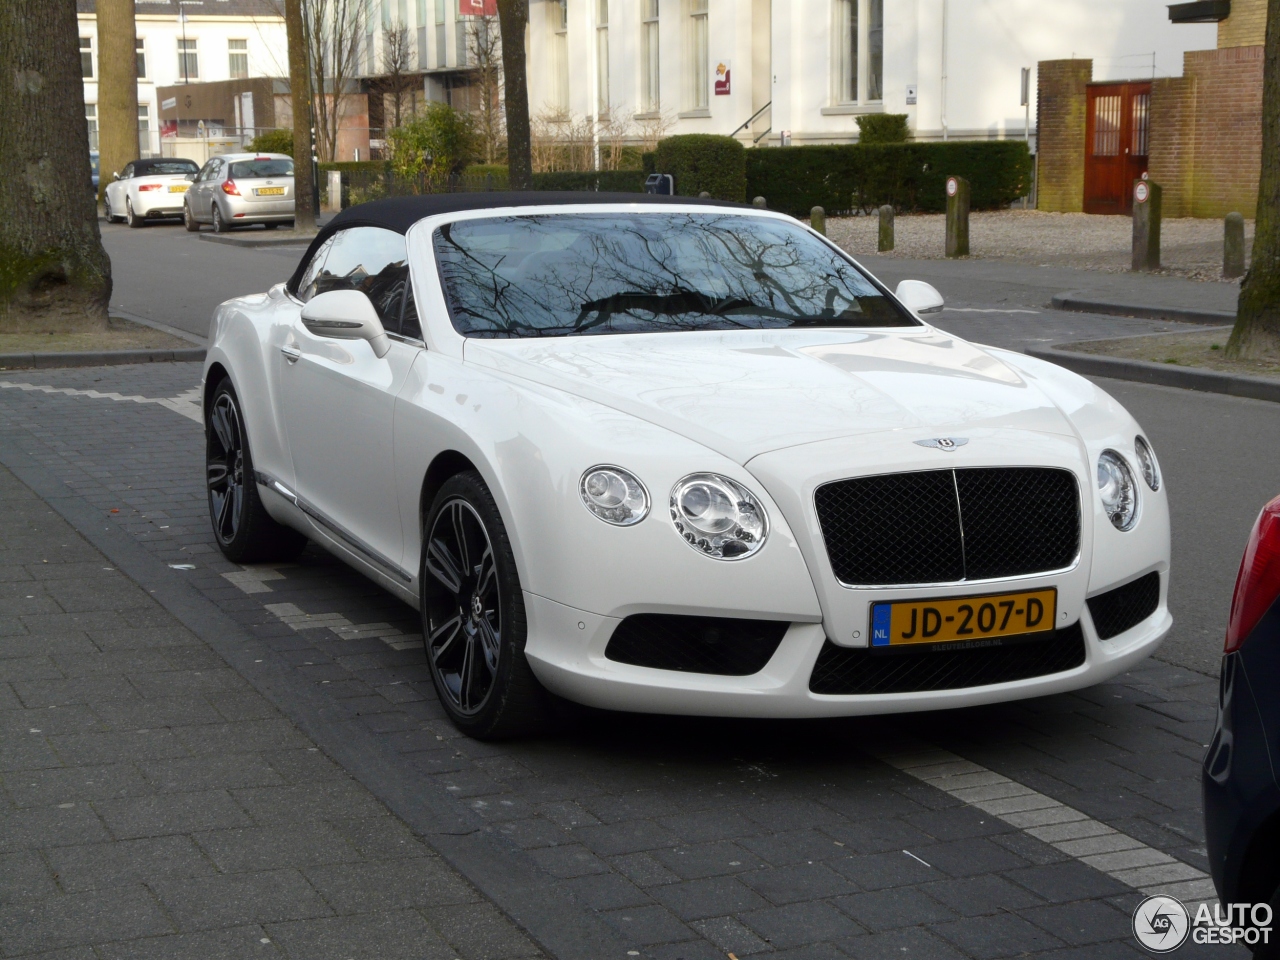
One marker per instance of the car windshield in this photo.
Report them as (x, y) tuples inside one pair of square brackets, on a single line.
[(265, 167), (571, 274), (161, 167)]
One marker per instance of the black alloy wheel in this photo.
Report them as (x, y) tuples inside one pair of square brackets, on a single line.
[(245, 532), (188, 219), (473, 619)]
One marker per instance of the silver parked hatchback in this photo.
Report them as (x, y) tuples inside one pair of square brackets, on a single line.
[(239, 188)]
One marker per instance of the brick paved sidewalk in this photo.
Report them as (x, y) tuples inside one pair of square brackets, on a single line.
[(155, 805)]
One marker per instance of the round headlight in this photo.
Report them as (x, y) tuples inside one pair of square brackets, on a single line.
[(614, 495), (1147, 461), (718, 516), (1117, 489)]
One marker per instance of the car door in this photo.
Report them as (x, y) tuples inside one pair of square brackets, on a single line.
[(200, 191), (339, 397)]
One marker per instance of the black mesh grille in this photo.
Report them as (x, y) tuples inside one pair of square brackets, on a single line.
[(845, 670), (906, 527), (1117, 610), (719, 645)]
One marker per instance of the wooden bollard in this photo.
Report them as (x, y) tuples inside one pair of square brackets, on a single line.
[(885, 243), (1146, 225), (818, 220), (957, 217), (759, 203), (1233, 246)]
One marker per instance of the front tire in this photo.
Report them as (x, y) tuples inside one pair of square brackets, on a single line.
[(106, 208), (135, 221), (245, 532), (188, 219), (473, 617)]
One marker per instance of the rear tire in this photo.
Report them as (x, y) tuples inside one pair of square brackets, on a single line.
[(135, 221), (188, 220), (106, 209), (245, 532), (271, 226), (219, 225), (473, 618)]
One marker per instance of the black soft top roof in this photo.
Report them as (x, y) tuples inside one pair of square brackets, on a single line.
[(401, 213), (141, 167)]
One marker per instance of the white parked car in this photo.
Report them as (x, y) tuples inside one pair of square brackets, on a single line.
[(666, 455), (149, 189)]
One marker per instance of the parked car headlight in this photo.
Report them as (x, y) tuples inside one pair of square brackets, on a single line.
[(718, 516), (614, 495), (1147, 461), (1117, 489)]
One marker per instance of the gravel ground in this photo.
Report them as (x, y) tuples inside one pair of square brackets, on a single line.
[(1190, 247), (1205, 349)]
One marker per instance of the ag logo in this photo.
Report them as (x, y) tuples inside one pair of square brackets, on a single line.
[(948, 444), (1161, 924)]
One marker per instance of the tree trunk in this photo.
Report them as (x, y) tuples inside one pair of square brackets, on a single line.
[(1257, 331), (54, 274), (513, 17), (117, 89), (304, 211)]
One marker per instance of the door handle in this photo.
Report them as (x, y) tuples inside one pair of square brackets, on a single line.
[(291, 352)]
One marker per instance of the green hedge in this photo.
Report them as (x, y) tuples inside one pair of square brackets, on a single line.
[(910, 176), (883, 128), (273, 141), (704, 162), (606, 181), (357, 166)]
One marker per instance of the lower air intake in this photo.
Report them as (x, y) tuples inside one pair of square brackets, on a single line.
[(718, 645), (1118, 610), (848, 670)]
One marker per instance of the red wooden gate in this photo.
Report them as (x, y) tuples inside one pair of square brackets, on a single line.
[(1117, 133)]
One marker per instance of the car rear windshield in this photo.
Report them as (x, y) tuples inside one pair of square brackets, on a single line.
[(249, 169), (164, 167), (572, 274)]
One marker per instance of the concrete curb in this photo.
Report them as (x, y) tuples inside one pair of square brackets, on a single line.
[(1165, 375), (100, 358), (1077, 303), (265, 239)]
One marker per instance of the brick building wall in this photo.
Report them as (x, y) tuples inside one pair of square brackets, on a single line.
[(1247, 25), (1206, 133), (1061, 104)]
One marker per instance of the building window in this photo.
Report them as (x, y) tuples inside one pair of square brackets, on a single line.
[(91, 121), (86, 57), (238, 58), (144, 130), (558, 10), (460, 28), (440, 60), (142, 59), (699, 75), (421, 21), (188, 60), (859, 52), (602, 57), (650, 88)]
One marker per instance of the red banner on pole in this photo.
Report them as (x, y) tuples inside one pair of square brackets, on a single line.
[(477, 8)]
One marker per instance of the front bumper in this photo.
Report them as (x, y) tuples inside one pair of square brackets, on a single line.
[(566, 649)]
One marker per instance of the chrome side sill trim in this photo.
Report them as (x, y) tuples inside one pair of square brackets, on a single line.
[(350, 539)]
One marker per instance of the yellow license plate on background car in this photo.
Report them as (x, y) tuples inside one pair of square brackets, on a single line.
[(962, 619), (178, 187), (268, 191)]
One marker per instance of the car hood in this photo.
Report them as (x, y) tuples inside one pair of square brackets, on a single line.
[(744, 393)]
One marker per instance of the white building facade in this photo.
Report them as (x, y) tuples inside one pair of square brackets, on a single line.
[(192, 41), (809, 68)]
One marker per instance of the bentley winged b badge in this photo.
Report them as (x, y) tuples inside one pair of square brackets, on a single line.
[(948, 444)]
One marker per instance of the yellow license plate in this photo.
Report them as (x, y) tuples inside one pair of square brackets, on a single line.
[(268, 191), (178, 187), (963, 620)]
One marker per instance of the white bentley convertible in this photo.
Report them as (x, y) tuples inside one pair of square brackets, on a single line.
[(680, 457)]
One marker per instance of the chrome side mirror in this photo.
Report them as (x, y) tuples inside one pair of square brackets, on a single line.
[(191, 177), (346, 315), (919, 297)]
